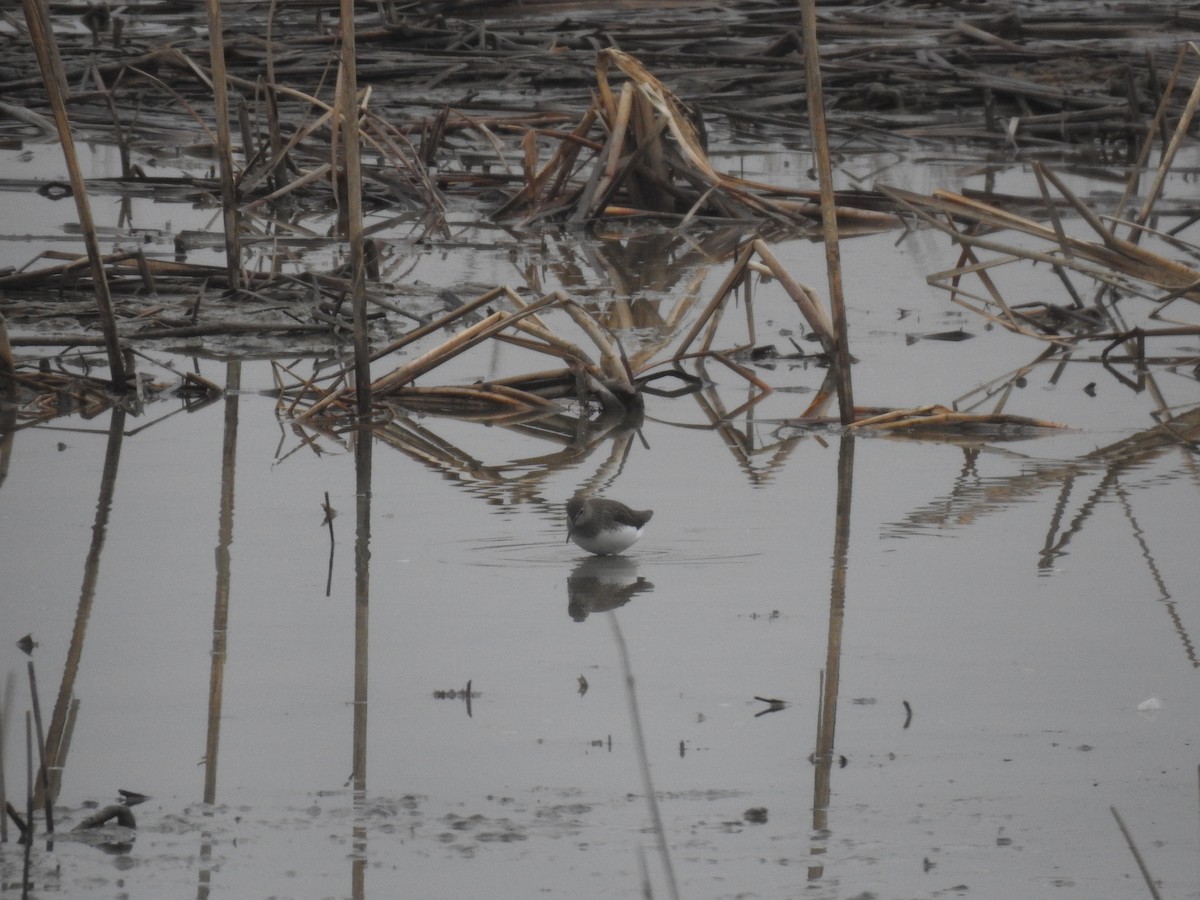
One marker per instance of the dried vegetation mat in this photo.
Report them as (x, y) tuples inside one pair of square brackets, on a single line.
[(545, 115)]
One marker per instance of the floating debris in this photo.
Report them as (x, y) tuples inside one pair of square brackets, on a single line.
[(118, 812)]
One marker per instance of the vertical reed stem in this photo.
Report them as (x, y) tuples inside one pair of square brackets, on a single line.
[(833, 254), (216, 52), (353, 200), (5, 706), (29, 776), (42, 37), (43, 773), (1137, 856)]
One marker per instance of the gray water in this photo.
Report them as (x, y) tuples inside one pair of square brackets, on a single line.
[(1012, 655)]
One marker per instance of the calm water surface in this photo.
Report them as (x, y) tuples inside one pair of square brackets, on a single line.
[(1013, 655)]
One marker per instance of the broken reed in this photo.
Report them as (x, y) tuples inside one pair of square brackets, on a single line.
[(613, 379)]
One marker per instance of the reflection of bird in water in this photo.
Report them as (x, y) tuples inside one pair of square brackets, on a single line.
[(603, 583), (602, 526)]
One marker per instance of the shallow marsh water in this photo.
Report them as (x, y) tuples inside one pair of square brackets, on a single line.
[(1015, 654)]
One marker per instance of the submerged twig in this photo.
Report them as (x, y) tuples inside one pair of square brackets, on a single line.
[(121, 813), (330, 515)]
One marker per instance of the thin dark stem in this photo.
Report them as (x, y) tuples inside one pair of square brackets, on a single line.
[(44, 775), (1137, 856)]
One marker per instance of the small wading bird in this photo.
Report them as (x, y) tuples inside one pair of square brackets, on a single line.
[(604, 527)]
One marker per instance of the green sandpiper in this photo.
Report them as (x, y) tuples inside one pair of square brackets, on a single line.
[(604, 527)]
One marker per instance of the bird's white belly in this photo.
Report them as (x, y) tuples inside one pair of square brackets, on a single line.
[(609, 541)]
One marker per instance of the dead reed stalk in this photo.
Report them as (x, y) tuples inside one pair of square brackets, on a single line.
[(1168, 156), (5, 708), (651, 160), (1137, 856), (352, 205), (439, 323), (28, 829), (462, 341), (8, 382), (220, 89), (840, 358), (806, 303), (43, 770), (1111, 261), (403, 375), (37, 19)]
